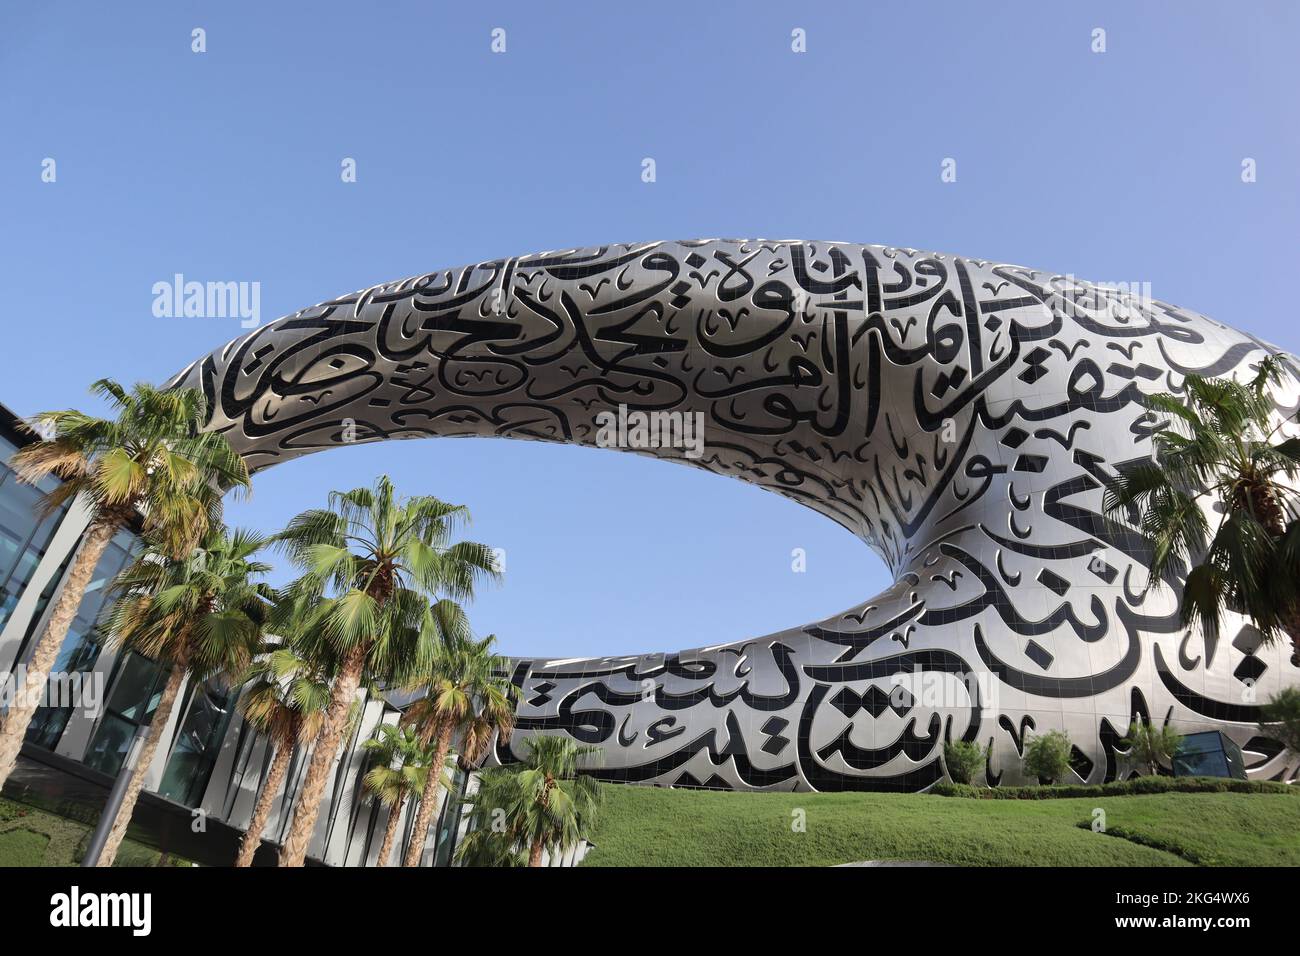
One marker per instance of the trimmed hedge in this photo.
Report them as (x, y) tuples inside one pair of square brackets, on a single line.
[(1136, 786)]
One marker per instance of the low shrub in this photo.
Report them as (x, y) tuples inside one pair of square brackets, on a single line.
[(1047, 756), (964, 759), (1119, 788), (1152, 745)]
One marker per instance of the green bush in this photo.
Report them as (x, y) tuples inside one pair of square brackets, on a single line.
[(964, 759), (1047, 756), (1119, 788)]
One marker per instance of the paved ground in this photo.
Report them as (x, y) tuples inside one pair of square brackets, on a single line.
[(894, 863)]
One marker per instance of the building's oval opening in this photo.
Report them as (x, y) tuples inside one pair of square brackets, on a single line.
[(605, 554)]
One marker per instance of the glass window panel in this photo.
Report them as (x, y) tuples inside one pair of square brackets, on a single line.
[(7, 449), (77, 656), (1201, 755), (109, 746), (449, 821), (19, 519), (197, 743), (81, 648), (137, 689), (23, 540), (47, 594), (116, 556)]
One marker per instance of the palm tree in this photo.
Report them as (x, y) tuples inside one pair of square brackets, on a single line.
[(151, 463), (400, 766), (493, 839), (1282, 718), (371, 562), (201, 617), (466, 695), (285, 699), (1152, 745), (289, 688), (1220, 452), (554, 804)]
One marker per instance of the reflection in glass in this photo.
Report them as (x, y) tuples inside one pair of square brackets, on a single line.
[(136, 689), (82, 646), (197, 743), (108, 749), (48, 722), (24, 534)]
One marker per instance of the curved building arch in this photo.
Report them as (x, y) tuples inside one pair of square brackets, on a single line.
[(960, 416)]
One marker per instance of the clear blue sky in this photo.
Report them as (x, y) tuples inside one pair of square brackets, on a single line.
[(1123, 166)]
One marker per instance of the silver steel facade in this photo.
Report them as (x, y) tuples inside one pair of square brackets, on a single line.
[(960, 416)]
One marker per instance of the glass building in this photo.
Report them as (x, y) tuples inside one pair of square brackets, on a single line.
[(24, 532), (210, 759), (1209, 753)]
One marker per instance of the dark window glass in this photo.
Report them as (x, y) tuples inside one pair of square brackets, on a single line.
[(135, 690), (24, 535), (449, 821), (1205, 764), (197, 744), (49, 722), (1208, 754), (81, 648), (108, 749)]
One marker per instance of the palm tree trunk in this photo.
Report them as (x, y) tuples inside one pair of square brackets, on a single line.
[(157, 727), (535, 851), (265, 800), (429, 799), (13, 727), (294, 851), (390, 831)]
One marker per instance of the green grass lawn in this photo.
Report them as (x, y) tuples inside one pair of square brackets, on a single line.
[(647, 826), (32, 837), (23, 848)]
